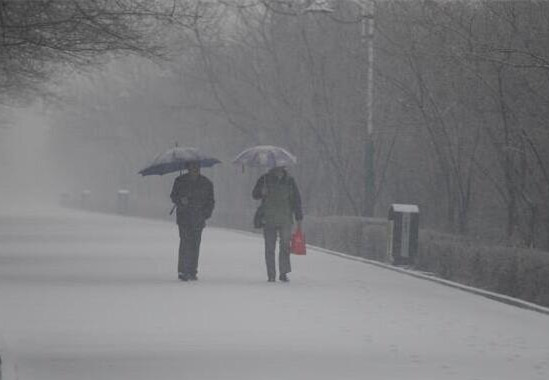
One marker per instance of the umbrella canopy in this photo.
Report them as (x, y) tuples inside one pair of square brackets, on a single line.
[(175, 159), (265, 156)]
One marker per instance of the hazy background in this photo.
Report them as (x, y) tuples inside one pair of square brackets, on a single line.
[(27, 168), (459, 110)]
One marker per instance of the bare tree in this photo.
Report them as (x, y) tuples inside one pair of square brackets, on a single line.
[(39, 36)]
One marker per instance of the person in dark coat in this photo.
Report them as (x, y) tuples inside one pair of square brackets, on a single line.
[(281, 204), (193, 195)]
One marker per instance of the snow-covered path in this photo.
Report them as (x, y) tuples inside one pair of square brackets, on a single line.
[(89, 296)]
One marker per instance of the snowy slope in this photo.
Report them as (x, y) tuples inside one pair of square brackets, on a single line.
[(88, 296)]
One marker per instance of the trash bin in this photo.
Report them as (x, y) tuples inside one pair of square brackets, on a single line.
[(403, 231), (122, 201)]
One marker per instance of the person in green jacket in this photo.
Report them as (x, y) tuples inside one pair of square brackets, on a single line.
[(281, 205)]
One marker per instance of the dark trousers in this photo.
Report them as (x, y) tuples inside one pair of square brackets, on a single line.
[(271, 233), (189, 249)]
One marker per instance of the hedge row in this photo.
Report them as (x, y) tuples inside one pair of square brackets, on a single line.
[(364, 237), (516, 272)]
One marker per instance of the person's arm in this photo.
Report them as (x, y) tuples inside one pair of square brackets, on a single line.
[(209, 203), (296, 198), (174, 195), (258, 191)]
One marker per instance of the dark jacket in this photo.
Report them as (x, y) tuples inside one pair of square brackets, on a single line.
[(200, 200), (283, 202)]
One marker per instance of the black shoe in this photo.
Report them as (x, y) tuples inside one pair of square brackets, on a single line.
[(284, 277), (193, 277)]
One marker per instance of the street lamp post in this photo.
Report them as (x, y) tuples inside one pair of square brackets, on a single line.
[(367, 41), (367, 36)]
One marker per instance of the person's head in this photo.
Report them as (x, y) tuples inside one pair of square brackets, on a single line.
[(193, 167)]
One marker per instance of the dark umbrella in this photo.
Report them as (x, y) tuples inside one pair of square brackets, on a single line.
[(175, 159)]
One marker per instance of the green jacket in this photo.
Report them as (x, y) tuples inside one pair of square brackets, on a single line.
[(282, 202)]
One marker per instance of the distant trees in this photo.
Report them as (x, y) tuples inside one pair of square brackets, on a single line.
[(39, 36), (460, 108), (460, 122), (277, 80), (477, 69)]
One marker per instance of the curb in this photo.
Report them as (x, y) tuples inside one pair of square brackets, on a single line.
[(480, 292)]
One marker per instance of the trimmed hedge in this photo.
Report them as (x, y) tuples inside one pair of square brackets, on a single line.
[(516, 272), (364, 237)]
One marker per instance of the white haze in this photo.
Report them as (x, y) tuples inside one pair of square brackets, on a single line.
[(27, 171)]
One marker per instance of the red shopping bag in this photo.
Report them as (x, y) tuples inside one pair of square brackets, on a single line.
[(297, 245)]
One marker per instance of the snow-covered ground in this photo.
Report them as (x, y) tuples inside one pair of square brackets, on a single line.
[(89, 296)]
